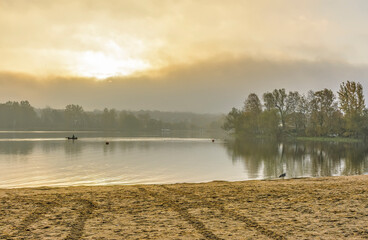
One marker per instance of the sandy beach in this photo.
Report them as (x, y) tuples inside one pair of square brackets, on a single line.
[(314, 208)]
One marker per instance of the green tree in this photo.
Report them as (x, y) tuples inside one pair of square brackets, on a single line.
[(268, 101), (109, 118), (234, 121), (324, 113), (351, 98), (252, 110), (293, 117), (269, 123), (18, 115), (52, 119), (302, 116), (129, 122), (351, 101), (252, 104), (284, 103), (74, 116), (280, 101)]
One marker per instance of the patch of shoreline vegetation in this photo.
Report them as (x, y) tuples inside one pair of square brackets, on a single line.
[(329, 139), (293, 139), (316, 116)]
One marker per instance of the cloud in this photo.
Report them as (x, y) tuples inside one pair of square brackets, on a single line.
[(43, 37), (211, 86), (203, 56)]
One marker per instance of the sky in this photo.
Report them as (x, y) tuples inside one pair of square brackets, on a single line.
[(199, 56)]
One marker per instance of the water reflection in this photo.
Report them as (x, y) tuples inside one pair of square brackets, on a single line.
[(268, 159), (124, 161), (70, 147), (16, 148), (89, 161)]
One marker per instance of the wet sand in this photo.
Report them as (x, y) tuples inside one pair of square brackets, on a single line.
[(319, 208)]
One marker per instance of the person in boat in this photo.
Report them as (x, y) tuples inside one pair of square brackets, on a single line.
[(73, 137)]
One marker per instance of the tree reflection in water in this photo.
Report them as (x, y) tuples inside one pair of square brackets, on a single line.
[(268, 159), (16, 147)]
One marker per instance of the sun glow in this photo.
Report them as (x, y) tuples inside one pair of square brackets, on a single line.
[(101, 65)]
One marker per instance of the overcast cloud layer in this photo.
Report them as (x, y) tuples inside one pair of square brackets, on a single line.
[(202, 56), (212, 87)]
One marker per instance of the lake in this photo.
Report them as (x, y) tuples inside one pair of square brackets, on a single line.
[(31, 159)]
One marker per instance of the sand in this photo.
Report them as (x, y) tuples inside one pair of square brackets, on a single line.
[(314, 208)]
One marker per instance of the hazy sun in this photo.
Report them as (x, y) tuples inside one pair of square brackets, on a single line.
[(101, 65)]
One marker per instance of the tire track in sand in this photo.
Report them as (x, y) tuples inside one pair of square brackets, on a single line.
[(41, 209), (77, 229), (250, 223), (198, 225)]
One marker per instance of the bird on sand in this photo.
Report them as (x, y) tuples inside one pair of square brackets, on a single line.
[(282, 175)]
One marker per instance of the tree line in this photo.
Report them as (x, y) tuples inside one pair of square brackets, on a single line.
[(22, 116), (315, 114)]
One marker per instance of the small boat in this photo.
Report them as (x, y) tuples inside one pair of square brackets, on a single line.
[(72, 137)]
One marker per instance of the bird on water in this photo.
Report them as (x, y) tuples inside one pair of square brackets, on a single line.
[(282, 175)]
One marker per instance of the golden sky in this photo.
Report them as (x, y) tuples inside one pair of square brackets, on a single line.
[(105, 38), (130, 39)]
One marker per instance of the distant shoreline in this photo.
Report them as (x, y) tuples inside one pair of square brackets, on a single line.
[(330, 139), (309, 139), (277, 209)]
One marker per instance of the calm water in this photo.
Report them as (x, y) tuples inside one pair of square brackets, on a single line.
[(29, 159)]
